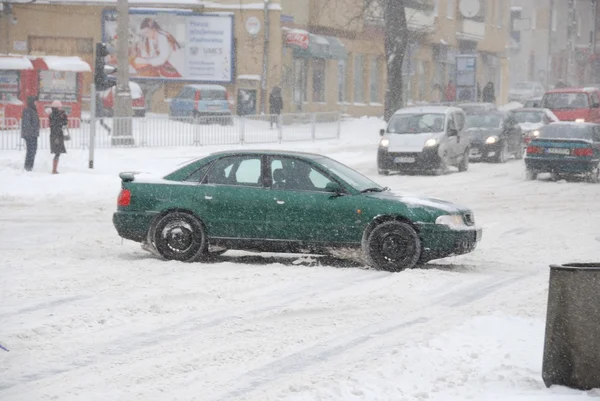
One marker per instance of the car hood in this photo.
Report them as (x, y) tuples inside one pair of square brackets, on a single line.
[(527, 127), (481, 134), (411, 143), (416, 201)]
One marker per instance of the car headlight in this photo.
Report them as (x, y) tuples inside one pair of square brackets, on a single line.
[(491, 139), (580, 120), (536, 133), (451, 220), (431, 142), (384, 143)]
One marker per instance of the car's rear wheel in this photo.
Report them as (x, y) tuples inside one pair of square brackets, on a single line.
[(464, 163), (530, 175), (180, 236), (384, 172), (392, 246)]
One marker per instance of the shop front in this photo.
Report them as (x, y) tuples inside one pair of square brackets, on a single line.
[(15, 72)]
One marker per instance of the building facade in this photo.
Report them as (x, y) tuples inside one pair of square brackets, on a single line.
[(325, 55)]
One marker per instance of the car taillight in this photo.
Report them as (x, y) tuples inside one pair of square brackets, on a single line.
[(534, 149), (124, 198), (583, 152), (226, 95)]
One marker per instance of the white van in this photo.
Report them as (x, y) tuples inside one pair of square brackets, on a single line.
[(424, 138)]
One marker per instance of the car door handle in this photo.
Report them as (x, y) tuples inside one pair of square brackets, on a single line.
[(207, 197), (279, 202)]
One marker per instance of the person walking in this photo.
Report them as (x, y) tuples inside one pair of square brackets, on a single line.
[(489, 94), (58, 120), (30, 131), (275, 105)]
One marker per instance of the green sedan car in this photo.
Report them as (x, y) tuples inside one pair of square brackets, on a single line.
[(275, 201)]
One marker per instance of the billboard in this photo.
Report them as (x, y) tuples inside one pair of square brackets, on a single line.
[(175, 45)]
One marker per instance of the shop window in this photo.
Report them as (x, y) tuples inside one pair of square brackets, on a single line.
[(300, 72), (318, 80), (341, 79), (374, 79), (359, 78)]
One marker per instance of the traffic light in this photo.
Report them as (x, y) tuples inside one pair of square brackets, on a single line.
[(101, 79)]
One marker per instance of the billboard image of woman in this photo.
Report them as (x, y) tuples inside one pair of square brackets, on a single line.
[(154, 49)]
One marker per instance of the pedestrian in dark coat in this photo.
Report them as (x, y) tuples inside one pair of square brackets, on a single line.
[(30, 131), (489, 95), (275, 104), (58, 120)]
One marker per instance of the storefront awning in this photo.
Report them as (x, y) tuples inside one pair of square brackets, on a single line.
[(15, 63), (308, 45), (57, 63)]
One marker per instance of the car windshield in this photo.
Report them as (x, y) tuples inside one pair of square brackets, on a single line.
[(352, 177), (564, 131), (212, 94), (489, 121), (528, 116), (416, 123), (566, 100), (523, 85)]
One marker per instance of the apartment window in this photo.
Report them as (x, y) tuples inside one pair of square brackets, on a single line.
[(451, 9), (341, 80), (359, 78), (374, 79), (318, 80)]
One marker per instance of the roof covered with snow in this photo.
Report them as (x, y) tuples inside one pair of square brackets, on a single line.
[(15, 63), (58, 63), (174, 3)]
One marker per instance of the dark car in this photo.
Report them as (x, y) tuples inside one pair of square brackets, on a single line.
[(287, 202), (565, 149), (495, 136)]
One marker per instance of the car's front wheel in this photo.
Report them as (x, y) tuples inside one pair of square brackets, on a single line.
[(393, 246), (180, 236)]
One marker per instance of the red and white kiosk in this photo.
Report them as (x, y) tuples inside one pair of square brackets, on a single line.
[(59, 78), (15, 74)]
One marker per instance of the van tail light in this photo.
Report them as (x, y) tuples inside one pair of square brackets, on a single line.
[(124, 198), (534, 150), (226, 95), (583, 152)]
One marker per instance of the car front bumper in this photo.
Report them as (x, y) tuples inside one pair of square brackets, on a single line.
[(428, 159), (441, 241), (562, 166), (483, 151), (133, 226)]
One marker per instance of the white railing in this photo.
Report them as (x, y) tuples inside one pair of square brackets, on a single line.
[(170, 132)]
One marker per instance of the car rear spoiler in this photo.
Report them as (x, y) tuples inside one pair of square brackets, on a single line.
[(128, 176)]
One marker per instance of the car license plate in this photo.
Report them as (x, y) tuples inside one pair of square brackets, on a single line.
[(404, 159), (558, 151), (214, 107), (475, 152)]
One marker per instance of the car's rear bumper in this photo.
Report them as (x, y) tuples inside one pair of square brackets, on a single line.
[(213, 113), (428, 159), (441, 241), (133, 225), (564, 165)]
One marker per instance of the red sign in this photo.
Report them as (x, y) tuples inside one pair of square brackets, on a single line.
[(296, 38)]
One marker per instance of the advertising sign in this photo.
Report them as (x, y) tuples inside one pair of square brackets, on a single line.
[(58, 85), (175, 45), (297, 38), (9, 81)]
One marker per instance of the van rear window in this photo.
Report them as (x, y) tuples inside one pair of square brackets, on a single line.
[(211, 94), (565, 100)]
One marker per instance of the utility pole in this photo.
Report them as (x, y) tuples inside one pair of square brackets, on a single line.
[(549, 64), (123, 108), (571, 42), (265, 70)]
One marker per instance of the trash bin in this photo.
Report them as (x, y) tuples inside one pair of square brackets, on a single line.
[(572, 340)]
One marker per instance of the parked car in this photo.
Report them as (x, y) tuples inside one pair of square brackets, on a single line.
[(281, 201), (138, 100), (574, 104), (565, 149), (495, 136), (204, 103), (524, 90), (533, 102), (532, 119), (477, 106), (424, 138)]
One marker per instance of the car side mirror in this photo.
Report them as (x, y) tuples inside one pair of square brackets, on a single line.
[(382, 132), (334, 188)]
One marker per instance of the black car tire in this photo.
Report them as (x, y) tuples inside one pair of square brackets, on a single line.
[(384, 172), (464, 163), (502, 157), (180, 236), (530, 175), (520, 152), (392, 246)]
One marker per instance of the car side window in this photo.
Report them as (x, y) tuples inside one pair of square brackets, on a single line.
[(594, 97), (237, 171), (199, 174), (297, 175)]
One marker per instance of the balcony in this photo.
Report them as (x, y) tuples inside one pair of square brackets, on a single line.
[(471, 30)]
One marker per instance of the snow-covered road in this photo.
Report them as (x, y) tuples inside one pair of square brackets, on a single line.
[(87, 317)]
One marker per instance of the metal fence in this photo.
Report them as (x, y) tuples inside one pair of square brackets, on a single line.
[(185, 131)]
